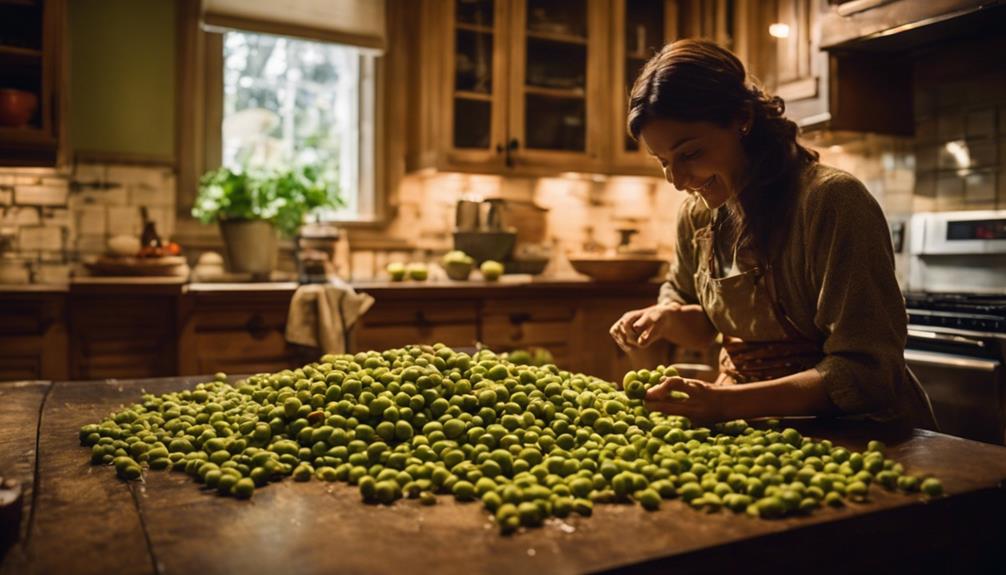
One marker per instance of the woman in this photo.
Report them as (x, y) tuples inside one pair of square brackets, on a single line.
[(789, 260)]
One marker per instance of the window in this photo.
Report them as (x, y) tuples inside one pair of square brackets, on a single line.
[(293, 101)]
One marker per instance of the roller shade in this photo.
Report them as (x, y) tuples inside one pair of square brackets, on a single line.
[(354, 22)]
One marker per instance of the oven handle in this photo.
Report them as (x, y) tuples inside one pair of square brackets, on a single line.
[(946, 337), (952, 361)]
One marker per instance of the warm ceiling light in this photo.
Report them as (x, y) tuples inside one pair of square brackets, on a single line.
[(779, 30)]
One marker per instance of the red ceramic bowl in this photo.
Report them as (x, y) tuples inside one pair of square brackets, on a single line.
[(17, 107)]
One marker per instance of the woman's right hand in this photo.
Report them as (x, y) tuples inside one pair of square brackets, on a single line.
[(684, 325), (639, 328)]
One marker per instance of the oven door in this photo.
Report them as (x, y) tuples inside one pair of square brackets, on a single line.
[(966, 392)]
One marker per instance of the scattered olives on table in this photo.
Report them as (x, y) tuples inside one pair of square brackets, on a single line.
[(526, 441)]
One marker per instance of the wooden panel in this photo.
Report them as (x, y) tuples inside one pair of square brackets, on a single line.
[(389, 336), (123, 336), (85, 520), (20, 409), (89, 522), (401, 313)]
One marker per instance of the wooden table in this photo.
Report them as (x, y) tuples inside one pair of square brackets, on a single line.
[(81, 519)]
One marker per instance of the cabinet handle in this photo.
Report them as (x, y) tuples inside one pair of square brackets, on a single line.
[(257, 327), (519, 318), (512, 145)]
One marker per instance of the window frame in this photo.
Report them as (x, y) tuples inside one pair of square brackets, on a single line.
[(201, 74)]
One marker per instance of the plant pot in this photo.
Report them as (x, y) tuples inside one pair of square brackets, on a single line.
[(250, 246)]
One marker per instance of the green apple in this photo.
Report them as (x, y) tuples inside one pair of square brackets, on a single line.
[(491, 270), (457, 256), (397, 271), (418, 272)]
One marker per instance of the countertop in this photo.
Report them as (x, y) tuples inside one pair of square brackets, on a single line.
[(507, 286), (81, 519)]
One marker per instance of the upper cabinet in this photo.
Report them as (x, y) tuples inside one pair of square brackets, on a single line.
[(782, 44), (532, 87), (639, 28), (509, 86), (30, 81)]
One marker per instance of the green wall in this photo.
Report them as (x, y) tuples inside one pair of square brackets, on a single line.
[(122, 77)]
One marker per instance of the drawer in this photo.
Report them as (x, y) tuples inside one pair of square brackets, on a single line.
[(381, 337), (240, 344), (517, 311), (240, 319), (420, 313), (500, 331)]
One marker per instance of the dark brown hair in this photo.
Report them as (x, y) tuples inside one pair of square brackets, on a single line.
[(698, 81)]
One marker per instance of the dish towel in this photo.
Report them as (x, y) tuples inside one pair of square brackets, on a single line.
[(321, 315)]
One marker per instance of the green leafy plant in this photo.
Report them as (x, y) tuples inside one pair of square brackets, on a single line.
[(281, 197)]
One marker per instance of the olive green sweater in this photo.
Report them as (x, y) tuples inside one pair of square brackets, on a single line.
[(835, 279)]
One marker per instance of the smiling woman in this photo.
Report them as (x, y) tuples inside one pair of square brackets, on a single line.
[(790, 261)]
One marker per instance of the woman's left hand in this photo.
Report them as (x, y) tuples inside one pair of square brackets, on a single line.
[(703, 406)]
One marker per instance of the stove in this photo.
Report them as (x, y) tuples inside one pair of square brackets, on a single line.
[(957, 339), (973, 313)]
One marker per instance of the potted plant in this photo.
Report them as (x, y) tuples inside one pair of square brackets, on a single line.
[(252, 205)]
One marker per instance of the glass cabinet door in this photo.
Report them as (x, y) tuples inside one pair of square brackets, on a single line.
[(553, 80), (475, 86), (641, 28)]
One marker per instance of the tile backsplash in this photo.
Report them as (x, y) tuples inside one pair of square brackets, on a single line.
[(51, 219)]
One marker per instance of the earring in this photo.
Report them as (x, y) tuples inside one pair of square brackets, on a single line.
[(745, 130)]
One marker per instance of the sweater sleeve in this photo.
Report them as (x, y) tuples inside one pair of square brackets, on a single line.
[(679, 286), (860, 309)]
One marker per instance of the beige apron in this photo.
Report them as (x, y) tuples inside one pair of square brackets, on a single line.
[(760, 341)]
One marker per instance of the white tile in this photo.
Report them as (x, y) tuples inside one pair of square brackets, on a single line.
[(91, 244), (137, 175), (140, 195), (981, 123), (980, 188), (91, 220), (47, 238), (124, 220), (115, 196), (90, 173), (49, 273), (40, 195), (20, 217)]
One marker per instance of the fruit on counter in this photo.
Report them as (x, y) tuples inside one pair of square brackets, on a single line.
[(458, 265), (491, 270), (538, 356), (529, 442), (123, 245), (418, 271), (397, 271), (457, 256)]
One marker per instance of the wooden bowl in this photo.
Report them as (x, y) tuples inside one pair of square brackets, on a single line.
[(617, 269), (17, 107)]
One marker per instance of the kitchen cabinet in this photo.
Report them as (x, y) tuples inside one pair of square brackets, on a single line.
[(33, 336), (639, 29), (391, 324), (31, 60), (132, 334), (783, 52), (512, 87), (235, 332)]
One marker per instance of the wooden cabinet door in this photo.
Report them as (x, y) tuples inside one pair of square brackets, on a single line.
[(473, 48), (126, 337), (786, 56), (31, 50), (237, 334), (33, 342), (394, 324), (639, 29), (558, 78), (521, 324)]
